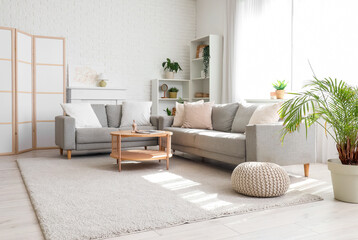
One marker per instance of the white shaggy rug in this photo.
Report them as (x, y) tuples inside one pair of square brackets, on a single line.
[(87, 198)]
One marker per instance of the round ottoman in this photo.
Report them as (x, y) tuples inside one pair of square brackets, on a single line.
[(260, 179)]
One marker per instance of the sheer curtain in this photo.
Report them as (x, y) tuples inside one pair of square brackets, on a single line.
[(263, 46)]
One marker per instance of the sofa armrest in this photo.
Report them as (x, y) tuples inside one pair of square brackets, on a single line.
[(263, 145), (65, 132), (154, 120), (165, 121)]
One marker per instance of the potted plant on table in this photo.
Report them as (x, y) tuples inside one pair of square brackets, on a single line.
[(170, 68), (280, 88), (173, 92), (336, 103)]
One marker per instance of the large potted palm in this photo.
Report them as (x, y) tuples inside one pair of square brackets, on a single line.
[(333, 105)]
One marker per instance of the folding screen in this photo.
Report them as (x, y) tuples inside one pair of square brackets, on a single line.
[(24, 94), (7, 91), (49, 68)]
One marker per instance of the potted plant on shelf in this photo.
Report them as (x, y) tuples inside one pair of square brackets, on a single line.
[(170, 68), (206, 60), (336, 103), (173, 92), (280, 88)]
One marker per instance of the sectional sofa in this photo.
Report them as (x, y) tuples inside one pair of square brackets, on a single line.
[(225, 143)]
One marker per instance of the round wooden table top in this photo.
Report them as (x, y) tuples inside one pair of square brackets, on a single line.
[(129, 133)]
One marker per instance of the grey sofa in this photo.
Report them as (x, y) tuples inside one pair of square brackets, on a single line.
[(68, 138), (259, 143)]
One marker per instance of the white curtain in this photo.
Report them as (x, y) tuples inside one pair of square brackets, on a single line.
[(263, 46), (229, 93)]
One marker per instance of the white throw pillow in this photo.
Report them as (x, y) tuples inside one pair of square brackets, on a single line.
[(266, 114), (138, 111), (83, 114), (179, 114)]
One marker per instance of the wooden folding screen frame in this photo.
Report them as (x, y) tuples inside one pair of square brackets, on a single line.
[(14, 98)]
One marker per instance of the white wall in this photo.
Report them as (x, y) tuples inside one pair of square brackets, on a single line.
[(130, 38), (210, 17)]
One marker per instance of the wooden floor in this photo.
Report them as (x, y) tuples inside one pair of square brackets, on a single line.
[(328, 219)]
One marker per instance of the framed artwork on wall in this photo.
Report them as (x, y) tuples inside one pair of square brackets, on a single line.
[(84, 75)]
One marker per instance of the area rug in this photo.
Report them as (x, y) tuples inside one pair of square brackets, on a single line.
[(87, 198)]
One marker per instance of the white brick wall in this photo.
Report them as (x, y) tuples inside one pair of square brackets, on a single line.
[(129, 37)]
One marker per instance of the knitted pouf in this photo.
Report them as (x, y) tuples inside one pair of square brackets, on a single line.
[(260, 179)]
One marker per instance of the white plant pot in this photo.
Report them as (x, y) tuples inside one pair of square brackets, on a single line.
[(169, 75), (344, 181)]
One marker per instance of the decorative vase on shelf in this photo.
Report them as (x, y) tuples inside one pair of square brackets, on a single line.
[(102, 83), (102, 78), (169, 75)]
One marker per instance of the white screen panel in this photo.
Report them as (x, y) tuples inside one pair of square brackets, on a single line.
[(24, 47), (24, 136), (48, 106), (6, 138), (5, 43), (5, 76), (5, 109), (49, 50), (45, 134), (24, 107), (24, 77), (49, 78)]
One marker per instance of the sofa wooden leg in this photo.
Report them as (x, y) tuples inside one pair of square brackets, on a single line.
[(69, 152), (307, 169), (61, 151), (145, 148)]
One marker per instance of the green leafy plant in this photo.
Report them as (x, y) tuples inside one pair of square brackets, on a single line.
[(280, 85), (206, 59), (171, 66), (336, 103), (180, 100), (173, 89), (169, 113)]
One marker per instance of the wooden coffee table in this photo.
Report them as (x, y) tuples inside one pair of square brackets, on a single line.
[(140, 155)]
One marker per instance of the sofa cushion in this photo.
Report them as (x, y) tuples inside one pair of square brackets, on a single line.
[(103, 135), (184, 136), (94, 135), (114, 113), (242, 118), (100, 111), (232, 144), (223, 115)]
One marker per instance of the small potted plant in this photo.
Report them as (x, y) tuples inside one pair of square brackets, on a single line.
[(336, 103), (173, 92), (170, 68), (206, 60), (280, 88)]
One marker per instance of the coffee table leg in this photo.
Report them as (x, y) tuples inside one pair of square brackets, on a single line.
[(160, 145), (119, 152), (168, 149)]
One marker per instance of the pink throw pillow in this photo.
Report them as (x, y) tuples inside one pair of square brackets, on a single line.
[(198, 115)]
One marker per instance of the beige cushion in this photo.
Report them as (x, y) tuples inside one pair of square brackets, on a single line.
[(260, 179), (266, 114), (198, 116), (179, 114)]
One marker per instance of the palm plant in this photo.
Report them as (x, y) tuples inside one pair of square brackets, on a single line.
[(336, 103)]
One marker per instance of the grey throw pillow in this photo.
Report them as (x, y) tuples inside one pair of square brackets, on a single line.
[(242, 118), (114, 113), (223, 116)]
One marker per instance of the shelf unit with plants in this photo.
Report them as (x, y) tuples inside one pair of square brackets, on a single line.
[(206, 69), (159, 102)]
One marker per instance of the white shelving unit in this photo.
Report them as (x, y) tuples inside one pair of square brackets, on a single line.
[(212, 83), (188, 87), (160, 103)]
